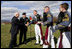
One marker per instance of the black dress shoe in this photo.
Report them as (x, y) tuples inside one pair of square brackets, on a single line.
[(10, 46), (15, 45), (25, 42), (20, 43), (36, 44), (41, 44)]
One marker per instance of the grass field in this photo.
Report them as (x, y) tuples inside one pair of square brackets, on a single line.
[(5, 37)]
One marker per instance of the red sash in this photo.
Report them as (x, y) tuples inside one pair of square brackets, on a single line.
[(46, 37), (46, 34), (60, 44), (41, 32)]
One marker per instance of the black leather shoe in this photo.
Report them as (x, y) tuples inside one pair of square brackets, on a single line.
[(41, 44), (10, 46), (15, 45), (36, 44), (25, 42), (20, 43)]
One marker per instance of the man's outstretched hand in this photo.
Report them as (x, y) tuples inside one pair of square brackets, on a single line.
[(27, 24)]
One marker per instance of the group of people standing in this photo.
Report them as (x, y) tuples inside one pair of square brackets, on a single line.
[(63, 24), (18, 25)]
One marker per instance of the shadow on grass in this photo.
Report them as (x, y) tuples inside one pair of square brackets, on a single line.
[(33, 38), (30, 39), (27, 40)]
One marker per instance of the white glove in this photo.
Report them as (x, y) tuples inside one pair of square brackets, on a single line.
[(38, 23), (54, 27), (42, 23), (69, 25)]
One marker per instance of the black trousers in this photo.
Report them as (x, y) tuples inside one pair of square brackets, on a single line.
[(13, 40), (22, 33)]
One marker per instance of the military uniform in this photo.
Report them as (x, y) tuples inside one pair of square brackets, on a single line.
[(38, 29), (23, 28), (14, 31), (64, 20), (48, 21)]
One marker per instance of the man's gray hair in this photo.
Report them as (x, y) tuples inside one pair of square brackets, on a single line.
[(16, 13)]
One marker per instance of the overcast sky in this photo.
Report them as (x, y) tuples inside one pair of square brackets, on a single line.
[(8, 8)]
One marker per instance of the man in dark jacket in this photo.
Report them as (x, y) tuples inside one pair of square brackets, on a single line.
[(14, 30), (23, 28)]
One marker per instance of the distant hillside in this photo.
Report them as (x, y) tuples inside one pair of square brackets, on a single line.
[(5, 21), (8, 21)]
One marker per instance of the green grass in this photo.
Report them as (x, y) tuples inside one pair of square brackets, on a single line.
[(5, 37)]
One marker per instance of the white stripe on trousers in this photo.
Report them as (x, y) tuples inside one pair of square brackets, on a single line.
[(65, 41), (50, 35), (38, 34)]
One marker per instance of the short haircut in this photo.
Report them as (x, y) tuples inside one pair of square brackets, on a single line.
[(35, 10), (46, 7), (65, 5), (24, 13), (16, 13)]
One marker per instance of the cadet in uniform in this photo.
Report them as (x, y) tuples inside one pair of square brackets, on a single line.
[(64, 19), (38, 30), (23, 28), (14, 30), (48, 21)]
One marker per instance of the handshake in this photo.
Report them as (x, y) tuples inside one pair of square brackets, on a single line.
[(42, 23), (39, 23), (27, 24)]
